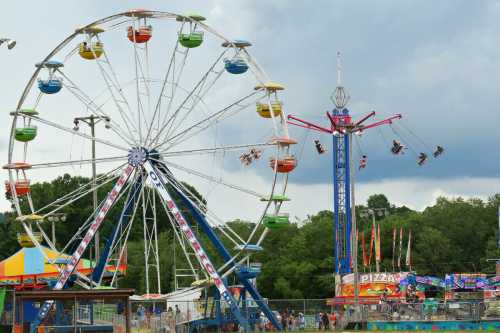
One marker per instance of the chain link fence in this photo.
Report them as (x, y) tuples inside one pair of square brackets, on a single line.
[(164, 316)]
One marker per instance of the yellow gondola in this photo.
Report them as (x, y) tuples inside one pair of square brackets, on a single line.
[(25, 241), (91, 52), (264, 112)]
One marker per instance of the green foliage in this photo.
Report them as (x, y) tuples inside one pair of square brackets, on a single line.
[(453, 235)]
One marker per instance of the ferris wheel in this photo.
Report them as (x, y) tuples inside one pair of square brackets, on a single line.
[(184, 109)]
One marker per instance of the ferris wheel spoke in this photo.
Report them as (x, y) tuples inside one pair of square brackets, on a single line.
[(162, 92), (109, 201), (209, 121), (97, 110), (176, 77), (141, 77), (77, 162), (80, 192), (113, 85), (216, 149), (70, 130), (196, 95), (213, 179)]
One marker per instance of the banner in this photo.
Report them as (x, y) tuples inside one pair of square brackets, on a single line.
[(408, 251), (374, 284), (363, 250), (400, 247), (393, 246), (377, 246), (372, 240)]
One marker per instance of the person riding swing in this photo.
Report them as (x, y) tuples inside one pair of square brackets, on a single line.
[(319, 147), (397, 147), (421, 159), (439, 150)]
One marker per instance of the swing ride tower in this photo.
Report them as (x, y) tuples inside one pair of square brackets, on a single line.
[(341, 126)]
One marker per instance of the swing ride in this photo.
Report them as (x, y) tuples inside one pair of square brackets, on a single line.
[(342, 128), (166, 125)]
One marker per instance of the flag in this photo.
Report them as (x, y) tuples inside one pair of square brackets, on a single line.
[(363, 250), (393, 246), (377, 246), (372, 240), (408, 251), (400, 247)]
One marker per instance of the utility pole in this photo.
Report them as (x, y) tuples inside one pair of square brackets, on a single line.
[(91, 121), (53, 218)]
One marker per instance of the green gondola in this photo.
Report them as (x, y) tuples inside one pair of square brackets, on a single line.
[(25, 134), (191, 40), (276, 221)]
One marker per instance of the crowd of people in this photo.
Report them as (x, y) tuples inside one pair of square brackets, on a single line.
[(296, 321)]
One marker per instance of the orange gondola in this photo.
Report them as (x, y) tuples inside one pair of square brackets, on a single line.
[(284, 165), (142, 35), (21, 186)]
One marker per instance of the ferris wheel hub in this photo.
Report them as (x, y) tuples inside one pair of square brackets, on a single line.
[(137, 156)]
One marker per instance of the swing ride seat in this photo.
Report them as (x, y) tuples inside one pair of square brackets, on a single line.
[(248, 272), (421, 161), (140, 36), (25, 241), (191, 40), (21, 186), (50, 86), (91, 52), (248, 247), (25, 134), (236, 65), (264, 112), (26, 112), (285, 165), (276, 198), (397, 150), (276, 221)]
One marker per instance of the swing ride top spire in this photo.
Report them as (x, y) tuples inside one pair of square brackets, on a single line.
[(341, 127)]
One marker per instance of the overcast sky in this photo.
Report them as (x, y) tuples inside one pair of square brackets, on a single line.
[(436, 62)]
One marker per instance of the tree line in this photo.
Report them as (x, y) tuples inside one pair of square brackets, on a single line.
[(453, 235)]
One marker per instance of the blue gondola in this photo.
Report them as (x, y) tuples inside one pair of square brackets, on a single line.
[(50, 86), (248, 272), (236, 65)]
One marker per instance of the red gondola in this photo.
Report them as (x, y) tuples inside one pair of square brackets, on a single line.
[(142, 35)]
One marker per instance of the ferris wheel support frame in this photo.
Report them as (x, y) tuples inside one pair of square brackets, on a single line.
[(224, 253)]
